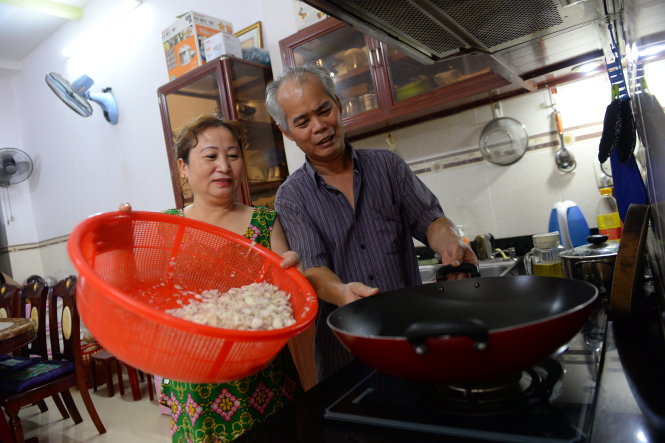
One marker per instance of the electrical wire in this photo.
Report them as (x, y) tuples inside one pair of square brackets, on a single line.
[(9, 201), (5, 197)]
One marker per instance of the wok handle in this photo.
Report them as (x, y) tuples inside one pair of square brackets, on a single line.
[(418, 333), (469, 268)]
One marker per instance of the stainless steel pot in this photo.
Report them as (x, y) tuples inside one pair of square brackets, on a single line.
[(593, 262)]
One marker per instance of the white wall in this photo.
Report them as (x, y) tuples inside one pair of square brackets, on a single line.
[(86, 165), (16, 197)]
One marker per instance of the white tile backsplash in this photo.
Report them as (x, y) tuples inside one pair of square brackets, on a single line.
[(465, 197), (512, 200)]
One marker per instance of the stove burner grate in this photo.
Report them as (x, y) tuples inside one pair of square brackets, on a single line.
[(497, 396)]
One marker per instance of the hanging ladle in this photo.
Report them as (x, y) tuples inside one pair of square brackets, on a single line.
[(564, 159)]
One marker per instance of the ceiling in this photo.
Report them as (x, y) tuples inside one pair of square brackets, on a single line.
[(28, 25)]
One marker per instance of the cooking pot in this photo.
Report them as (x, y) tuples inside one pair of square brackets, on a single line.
[(355, 58), (464, 330), (593, 262), (351, 106)]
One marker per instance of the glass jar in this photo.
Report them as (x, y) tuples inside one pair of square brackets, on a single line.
[(544, 258)]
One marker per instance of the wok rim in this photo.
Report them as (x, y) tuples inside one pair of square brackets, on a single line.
[(571, 311)]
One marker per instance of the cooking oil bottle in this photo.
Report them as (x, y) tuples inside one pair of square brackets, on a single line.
[(607, 215), (544, 258)]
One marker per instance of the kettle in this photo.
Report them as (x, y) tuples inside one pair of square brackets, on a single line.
[(567, 218)]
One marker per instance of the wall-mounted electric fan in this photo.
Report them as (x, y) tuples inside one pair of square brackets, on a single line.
[(15, 167), (76, 96)]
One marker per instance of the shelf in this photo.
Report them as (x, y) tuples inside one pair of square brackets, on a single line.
[(391, 71), (229, 83)]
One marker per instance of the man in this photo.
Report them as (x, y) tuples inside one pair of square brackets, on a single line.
[(350, 214)]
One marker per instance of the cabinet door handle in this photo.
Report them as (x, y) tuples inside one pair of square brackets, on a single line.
[(378, 57), (371, 58)]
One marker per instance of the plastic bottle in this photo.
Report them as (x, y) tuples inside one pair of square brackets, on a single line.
[(607, 215), (462, 235)]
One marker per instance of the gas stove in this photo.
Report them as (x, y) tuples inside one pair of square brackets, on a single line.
[(553, 401)]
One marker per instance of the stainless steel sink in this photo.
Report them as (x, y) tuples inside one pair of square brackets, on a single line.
[(494, 267)]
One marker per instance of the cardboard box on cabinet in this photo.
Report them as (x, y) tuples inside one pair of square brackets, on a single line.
[(220, 44), (183, 41)]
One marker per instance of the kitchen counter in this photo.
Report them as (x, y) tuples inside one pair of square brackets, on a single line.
[(617, 416)]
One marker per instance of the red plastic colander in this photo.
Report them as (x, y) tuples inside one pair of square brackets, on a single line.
[(135, 265)]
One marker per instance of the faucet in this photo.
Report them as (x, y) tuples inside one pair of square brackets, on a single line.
[(510, 255)]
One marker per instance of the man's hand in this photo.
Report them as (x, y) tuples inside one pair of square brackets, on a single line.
[(455, 253), (331, 289), (442, 238), (355, 291)]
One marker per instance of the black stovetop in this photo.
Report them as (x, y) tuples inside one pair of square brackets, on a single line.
[(580, 407), (553, 401)]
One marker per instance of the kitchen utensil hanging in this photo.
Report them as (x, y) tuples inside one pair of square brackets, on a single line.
[(504, 140), (618, 140), (15, 167), (564, 159)]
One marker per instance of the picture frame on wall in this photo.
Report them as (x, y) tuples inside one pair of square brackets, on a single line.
[(250, 36)]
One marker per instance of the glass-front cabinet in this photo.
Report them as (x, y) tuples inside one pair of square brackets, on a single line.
[(379, 85), (235, 89), (345, 53)]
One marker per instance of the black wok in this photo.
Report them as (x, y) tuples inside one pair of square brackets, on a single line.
[(464, 330)]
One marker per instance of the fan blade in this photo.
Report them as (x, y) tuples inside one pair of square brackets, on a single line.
[(23, 168)]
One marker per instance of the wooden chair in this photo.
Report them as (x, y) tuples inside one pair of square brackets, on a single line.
[(9, 300), (25, 387), (108, 363), (32, 302)]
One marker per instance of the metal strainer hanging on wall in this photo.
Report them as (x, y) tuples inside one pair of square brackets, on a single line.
[(504, 140)]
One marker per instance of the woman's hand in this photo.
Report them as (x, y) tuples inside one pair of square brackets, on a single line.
[(125, 207), (291, 258)]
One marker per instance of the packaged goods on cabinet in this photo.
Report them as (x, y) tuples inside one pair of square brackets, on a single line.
[(222, 44), (183, 41)]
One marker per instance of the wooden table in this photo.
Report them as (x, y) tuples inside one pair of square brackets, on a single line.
[(14, 333)]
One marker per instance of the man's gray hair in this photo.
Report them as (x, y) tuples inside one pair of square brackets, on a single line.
[(297, 74)]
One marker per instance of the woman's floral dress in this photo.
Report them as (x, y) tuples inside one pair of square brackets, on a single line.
[(223, 412)]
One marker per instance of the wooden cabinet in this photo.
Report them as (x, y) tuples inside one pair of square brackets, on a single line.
[(379, 86), (234, 88)]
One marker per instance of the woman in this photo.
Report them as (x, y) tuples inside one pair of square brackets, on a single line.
[(209, 154)]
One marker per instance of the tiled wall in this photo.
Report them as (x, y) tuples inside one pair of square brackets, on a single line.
[(514, 200)]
